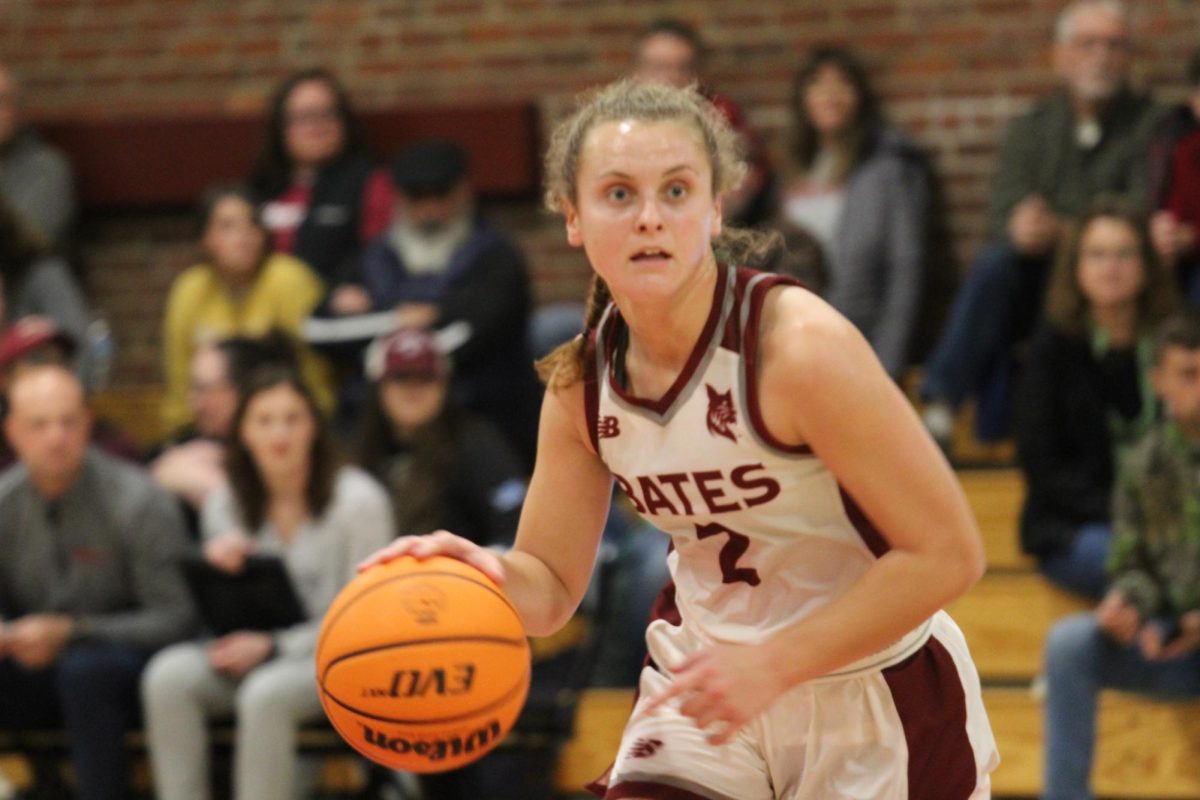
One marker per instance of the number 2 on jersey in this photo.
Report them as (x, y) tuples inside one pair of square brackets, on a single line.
[(734, 549)]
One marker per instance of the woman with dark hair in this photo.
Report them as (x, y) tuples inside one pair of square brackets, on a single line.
[(287, 497), (444, 468), (862, 189), (1086, 391), (323, 198), (241, 288)]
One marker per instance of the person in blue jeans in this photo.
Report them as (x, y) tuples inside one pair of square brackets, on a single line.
[(1090, 137), (1145, 635), (1085, 391)]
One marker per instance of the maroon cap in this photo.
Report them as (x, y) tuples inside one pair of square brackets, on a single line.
[(26, 336), (406, 353)]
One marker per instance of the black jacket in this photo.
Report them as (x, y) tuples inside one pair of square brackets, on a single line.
[(328, 238), (1064, 444)]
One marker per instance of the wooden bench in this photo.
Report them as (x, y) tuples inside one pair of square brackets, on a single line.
[(168, 162), (1144, 749), (996, 496)]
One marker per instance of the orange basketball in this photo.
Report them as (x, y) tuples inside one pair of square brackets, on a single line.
[(422, 666)]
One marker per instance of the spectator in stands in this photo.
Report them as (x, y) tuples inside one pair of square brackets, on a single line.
[(35, 283), (191, 463), (89, 580), (1088, 138), (1145, 635), (444, 467), (441, 264), (447, 469), (1175, 187), (36, 184), (861, 188), (671, 51), (323, 197), (241, 288), (37, 340), (288, 497), (1086, 391)]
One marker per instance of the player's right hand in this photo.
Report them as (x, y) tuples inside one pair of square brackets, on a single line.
[(440, 543)]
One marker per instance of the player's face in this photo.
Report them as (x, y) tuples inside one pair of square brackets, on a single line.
[(1177, 381), (312, 128), (278, 429), (644, 210), (830, 101), (1094, 60), (1110, 270), (233, 239), (666, 59)]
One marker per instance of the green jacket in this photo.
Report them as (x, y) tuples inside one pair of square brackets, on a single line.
[(1155, 556), (1040, 156)]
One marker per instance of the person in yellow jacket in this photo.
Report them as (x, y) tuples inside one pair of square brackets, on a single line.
[(241, 288)]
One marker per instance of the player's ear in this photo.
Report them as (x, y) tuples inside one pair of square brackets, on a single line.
[(715, 228), (574, 234)]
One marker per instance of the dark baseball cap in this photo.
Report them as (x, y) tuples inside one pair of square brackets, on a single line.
[(430, 168)]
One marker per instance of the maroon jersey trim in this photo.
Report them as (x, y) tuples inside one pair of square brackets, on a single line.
[(931, 703), (870, 535), (591, 391), (703, 344), (751, 335)]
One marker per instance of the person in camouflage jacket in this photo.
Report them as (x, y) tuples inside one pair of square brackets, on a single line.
[(1145, 635)]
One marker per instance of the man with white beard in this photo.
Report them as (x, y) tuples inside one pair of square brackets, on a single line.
[(441, 264)]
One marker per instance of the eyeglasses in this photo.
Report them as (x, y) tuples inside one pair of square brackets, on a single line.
[(311, 116), (1115, 44)]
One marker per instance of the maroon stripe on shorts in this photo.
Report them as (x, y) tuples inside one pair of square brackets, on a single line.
[(932, 705), (651, 791)]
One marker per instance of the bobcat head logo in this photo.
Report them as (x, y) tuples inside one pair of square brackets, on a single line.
[(721, 414)]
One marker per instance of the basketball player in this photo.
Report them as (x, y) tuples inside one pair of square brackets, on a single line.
[(816, 529)]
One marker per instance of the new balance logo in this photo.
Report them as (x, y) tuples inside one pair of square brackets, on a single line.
[(608, 428), (644, 748)]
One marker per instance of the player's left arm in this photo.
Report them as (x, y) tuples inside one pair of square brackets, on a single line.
[(822, 385)]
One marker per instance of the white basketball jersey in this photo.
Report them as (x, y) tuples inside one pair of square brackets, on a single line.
[(762, 533)]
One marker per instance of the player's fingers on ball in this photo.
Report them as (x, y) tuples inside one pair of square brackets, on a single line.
[(486, 562), (392, 551)]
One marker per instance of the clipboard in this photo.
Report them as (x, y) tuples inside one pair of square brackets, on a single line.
[(259, 598)]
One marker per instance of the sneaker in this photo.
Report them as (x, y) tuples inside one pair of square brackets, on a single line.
[(939, 421)]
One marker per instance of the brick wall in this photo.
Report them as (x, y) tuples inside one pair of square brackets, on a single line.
[(950, 71)]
